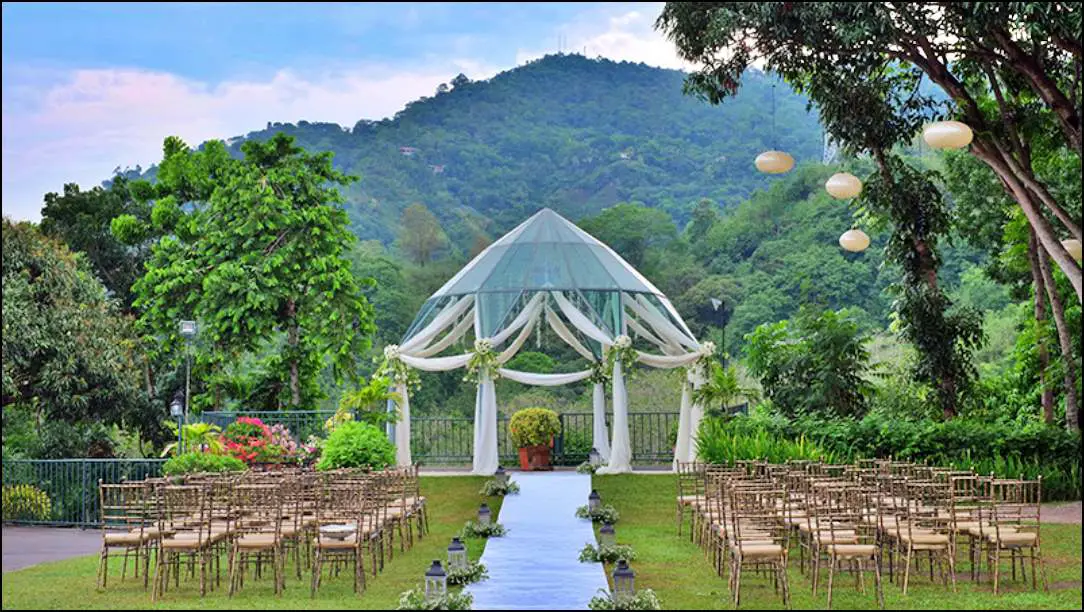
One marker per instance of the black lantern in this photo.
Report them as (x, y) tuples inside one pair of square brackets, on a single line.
[(457, 555), (606, 535), (594, 500), (436, 581), (484, 515), (501, 476), (593, 457), (624, 580)]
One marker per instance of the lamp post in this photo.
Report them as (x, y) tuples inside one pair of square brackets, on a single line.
[(176, 410), (717, 313), (188, 332)]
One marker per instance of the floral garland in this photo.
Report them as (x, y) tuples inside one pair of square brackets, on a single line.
[(600, 373), (394, 368), (702, 365), (483, 362), (621, 349)]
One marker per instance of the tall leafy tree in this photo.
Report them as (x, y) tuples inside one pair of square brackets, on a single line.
[(631, 228), (1011, 70), (254, 249), (420, 234), (68, 353)]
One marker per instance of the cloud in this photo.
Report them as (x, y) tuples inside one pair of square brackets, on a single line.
[(80, 128)]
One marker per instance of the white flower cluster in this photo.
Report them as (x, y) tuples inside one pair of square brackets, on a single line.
[(708, 348), (391, 352), (622, 342), (483, 345)]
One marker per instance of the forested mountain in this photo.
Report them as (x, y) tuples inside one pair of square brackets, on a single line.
[(567, 132)]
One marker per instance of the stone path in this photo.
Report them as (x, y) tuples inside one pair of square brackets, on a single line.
[(536, 565), (26, 546)]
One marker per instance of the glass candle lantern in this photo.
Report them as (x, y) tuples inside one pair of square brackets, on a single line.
[(436, 581), (457, 555), (606, 535), (501, 476), (624, 580), (485, 517), (594, 500), (593, 457)]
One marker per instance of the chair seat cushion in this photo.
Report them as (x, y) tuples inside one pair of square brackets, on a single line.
[(127, 538), (925, 538), (257, 540), (853, 550), (1018, 538), (757, 551)]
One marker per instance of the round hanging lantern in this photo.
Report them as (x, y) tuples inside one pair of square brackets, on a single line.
[(843, 186), (774, 162), (1073, 246), (854, 240), (947, 135)]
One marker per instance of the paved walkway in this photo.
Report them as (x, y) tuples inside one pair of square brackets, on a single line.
[(536, 565), (26, 546)]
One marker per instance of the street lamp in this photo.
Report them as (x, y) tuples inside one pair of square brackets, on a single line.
[(717, 313), (176, 410), (188, 332)]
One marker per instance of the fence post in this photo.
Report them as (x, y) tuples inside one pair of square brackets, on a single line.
[(83, 518)]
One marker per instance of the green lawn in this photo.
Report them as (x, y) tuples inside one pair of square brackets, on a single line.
[(684, 579), (71, 584)]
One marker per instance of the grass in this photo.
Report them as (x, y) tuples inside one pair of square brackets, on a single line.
[(71, 583), (684, 580)]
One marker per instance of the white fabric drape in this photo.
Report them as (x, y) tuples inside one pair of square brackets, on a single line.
[(667, 347), (442, 320), (658, 322), (402, 429), (485, 429), (564, 333), (580, 320), (681, 448), (529, 313), (544, 380), (600, 438), (696, 414), (520, 340), (436, 364), (666, 362), (457, 332), (621, 450)]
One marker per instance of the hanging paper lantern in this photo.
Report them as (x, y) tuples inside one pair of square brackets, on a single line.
[(843, 186), (947, 135), (854, 240), (1073, 246), (774, 162)]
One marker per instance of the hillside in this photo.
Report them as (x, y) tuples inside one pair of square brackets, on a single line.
[(567, 132)]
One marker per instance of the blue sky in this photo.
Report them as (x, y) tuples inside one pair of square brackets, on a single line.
[(87, 88)]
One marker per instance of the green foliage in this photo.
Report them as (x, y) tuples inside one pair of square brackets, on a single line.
[(258, 258), (492, 488), (534, 427), (420, 235), (369, 402), (415, 599), (602, 514), (606, 553), (25, 502), (814, 364), (586, 468), (356, 445), (644, 599), (631, 229), (722, 389), (474, 572), (472, 529), (69, 355), (204, 437), (200, 462), (725, 440)]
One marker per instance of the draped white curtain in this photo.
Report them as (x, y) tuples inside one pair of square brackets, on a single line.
[(402, 428), (544, 380), (599, 436), (621, 451)]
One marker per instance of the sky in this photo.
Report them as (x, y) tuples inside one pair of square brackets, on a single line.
[(91, 87)]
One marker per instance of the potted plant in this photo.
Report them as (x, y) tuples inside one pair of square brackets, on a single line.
[(532, 431)]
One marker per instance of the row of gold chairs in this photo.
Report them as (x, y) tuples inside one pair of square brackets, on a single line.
[(873, 516), (327, 522)]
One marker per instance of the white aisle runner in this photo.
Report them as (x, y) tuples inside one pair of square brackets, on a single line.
[(536, 565)]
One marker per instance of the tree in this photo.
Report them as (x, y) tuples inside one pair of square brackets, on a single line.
[(1011, 71), (257, 257), (68, 353), (420, 234), (813, 364), (630, 228), (704, 217), (721, 389)]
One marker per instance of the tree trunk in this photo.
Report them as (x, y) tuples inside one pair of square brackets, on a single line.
[(1072, 422), (292, 337), (1040, 318)]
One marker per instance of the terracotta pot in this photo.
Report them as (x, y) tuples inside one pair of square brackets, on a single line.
[(535, 457)]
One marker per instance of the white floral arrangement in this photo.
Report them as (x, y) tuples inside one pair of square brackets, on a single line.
[(483, 362), (621, 349), (622, 342), (397, 370), (702, 365)]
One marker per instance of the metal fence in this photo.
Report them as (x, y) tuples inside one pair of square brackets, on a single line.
[(72, 484)]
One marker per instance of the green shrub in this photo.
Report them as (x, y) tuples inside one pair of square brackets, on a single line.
[(354, 444), (193, 462), (534, 427), (26, 503), (725, 440)]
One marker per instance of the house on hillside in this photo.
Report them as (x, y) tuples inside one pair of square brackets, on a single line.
[(408, 151)]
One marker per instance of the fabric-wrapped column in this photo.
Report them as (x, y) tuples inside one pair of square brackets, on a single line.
[(621, 451), (402, 429), (681, 449), (696, 414), (600, 438), (485, 428)]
